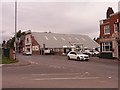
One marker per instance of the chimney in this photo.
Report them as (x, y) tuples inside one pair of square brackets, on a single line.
[(109, 12)]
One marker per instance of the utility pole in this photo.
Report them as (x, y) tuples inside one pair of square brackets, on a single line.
[(15, 27)]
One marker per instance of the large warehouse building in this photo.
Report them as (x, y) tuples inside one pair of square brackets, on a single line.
[(36, 42)]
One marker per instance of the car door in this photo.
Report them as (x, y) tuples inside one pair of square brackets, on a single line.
[(74, 55), (71, 55)]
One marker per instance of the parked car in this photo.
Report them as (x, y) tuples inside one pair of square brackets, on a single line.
[(77, 56), (96, 52), (91, 52), (48, 51), (88, 52), (27, 53)]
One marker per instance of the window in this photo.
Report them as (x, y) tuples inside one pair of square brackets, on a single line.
[(77, 39), (46, 38), (83, 39), (27, 40), (62, 38), (107, 29), (116, 27), (55, 38), (73, 53), (107, 46), (28, 49)]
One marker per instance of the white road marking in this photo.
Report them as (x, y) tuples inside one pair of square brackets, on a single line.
[(33, 62), (109, 77), (41, 79), (24, 77), (57, 74), (54, 66)]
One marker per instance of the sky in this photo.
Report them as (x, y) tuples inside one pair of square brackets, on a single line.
[(68, 17)]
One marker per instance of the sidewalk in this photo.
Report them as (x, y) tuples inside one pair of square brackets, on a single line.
[(19, 63), (105, 61)]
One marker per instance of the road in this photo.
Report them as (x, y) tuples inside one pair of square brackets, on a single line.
[(53, 71)]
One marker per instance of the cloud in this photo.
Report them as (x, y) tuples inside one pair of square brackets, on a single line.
[(58, 17)]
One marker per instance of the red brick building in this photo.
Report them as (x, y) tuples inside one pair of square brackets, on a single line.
[(110, 35), (28, 43)]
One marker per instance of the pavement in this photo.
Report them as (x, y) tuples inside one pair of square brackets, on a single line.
[(19, 63)]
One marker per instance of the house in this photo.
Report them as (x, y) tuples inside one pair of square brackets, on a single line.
[(36, 42), (110, 35)]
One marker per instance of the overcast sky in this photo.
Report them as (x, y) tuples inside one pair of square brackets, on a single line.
[(57, 17)]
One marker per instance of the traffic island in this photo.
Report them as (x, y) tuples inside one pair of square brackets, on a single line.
[(6, 60)]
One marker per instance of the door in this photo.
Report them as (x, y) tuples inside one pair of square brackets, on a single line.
[(74, 56)]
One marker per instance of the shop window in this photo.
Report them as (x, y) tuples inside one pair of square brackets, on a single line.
[(107, 46)]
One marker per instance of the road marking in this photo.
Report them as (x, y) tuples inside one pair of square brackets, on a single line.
[(33, 62), (54, 66), (57, 74), (109, 77), (74, 78)]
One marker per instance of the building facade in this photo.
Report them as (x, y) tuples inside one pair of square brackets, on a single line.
[(37, 42), (110, 35)]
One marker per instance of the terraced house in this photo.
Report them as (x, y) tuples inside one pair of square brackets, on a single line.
[(110, 35)]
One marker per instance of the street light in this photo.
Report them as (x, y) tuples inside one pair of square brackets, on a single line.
[(15, 27)]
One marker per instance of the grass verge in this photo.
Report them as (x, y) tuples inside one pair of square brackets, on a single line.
[(6, 60)]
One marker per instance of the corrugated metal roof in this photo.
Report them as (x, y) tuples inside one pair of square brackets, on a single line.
[(55, 40)]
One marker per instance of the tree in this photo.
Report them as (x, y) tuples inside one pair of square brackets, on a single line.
[(4, 44), (19, 34), (10, 42)]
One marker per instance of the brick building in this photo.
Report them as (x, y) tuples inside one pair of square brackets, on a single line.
[(110, 35)]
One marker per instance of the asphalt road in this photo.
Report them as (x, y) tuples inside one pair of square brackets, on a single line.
[(52, 71)]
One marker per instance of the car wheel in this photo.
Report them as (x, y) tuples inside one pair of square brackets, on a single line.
[(78, 58), (86, 59), (68, 58)]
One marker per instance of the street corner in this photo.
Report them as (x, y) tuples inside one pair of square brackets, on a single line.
[(18, 63)]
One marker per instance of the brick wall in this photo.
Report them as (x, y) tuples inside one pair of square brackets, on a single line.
[(110, 21), (36, 52), (11, 53), (35, 43)]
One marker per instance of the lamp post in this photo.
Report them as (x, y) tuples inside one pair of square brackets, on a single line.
[(119, 41), (15, 27)]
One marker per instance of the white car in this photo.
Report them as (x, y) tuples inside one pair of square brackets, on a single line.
[(77, 56), (88, 52), (96, 52), (47, 51), (27, 53)]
